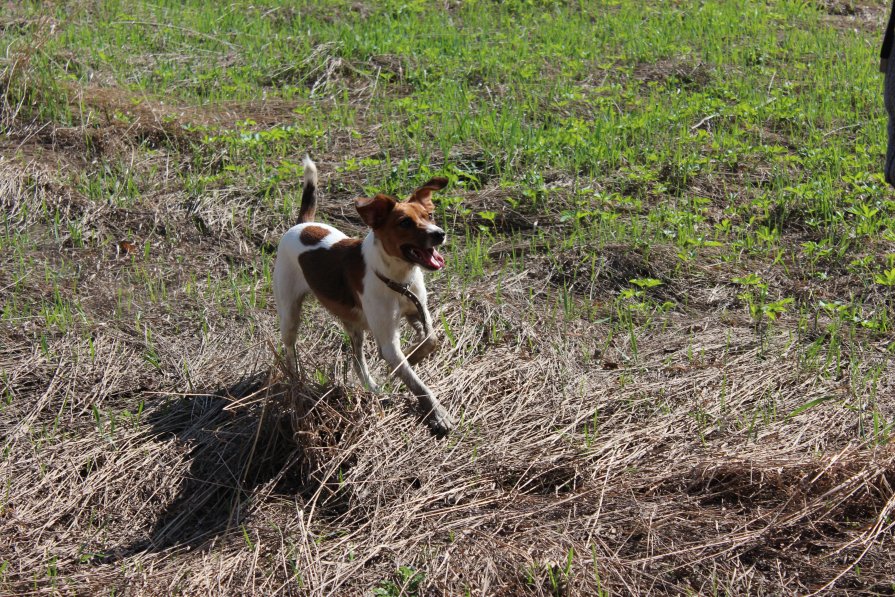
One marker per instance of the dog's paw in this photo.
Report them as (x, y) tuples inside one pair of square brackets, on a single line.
[(439, 421), (422, 351)]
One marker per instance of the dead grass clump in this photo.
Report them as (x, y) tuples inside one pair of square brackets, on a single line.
[(851, 8), (688, 76)]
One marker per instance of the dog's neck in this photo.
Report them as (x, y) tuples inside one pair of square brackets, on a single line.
[(379, 261)]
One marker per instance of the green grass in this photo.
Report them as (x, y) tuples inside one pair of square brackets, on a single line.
[(608, 100)]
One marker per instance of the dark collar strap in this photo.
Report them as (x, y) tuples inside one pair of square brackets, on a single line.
[(404, 289)]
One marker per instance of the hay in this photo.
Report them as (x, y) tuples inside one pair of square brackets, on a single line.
[(563, 477)]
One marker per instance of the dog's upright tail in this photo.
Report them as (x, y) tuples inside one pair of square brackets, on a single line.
[(309, 192)]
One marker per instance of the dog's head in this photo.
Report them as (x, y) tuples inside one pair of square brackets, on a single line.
[(406, 229)]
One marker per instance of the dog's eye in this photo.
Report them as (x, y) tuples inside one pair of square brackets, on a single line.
[(405, 223)]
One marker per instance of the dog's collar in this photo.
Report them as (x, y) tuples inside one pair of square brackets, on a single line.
[(404, 289)]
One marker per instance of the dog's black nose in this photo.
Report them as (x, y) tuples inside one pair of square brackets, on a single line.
[(437, 236)]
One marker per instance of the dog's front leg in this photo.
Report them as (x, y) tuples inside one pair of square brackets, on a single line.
[(435, 414), (425, 344)]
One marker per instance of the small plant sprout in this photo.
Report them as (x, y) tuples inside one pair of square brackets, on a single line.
[(886, 278), (755, 294)]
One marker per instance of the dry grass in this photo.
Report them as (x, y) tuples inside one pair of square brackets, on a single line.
[(565, 476)]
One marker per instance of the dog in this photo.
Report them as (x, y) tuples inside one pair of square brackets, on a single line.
[(369, 283)]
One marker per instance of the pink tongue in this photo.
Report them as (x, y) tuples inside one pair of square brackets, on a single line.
[(437, 259), (430, 258)]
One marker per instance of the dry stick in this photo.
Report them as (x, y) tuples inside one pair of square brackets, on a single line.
[(596, 516), (30, 134), (39, 406), (703, 121), (16, 282), (842, 128)]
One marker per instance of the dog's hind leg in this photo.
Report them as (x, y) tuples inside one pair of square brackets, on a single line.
[(289, 291), (358, 360), (290, 317)]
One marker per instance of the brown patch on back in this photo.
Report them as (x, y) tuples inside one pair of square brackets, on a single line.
[(311, 235), (336, 276)]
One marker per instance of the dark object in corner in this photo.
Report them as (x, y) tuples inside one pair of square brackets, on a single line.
[(886, 66)]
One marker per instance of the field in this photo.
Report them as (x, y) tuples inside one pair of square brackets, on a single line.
[(666, 319)]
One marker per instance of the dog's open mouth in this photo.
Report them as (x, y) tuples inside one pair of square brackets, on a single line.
[(428, 258)]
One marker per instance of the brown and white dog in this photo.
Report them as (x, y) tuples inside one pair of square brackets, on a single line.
[(368, 284)]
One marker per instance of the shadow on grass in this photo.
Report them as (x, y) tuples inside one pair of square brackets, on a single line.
[(239, 442)]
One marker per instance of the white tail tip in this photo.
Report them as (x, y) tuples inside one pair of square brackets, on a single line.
[(310, 171)]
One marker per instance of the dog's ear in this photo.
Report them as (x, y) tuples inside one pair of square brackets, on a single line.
[(424, 193), (375, 211)]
